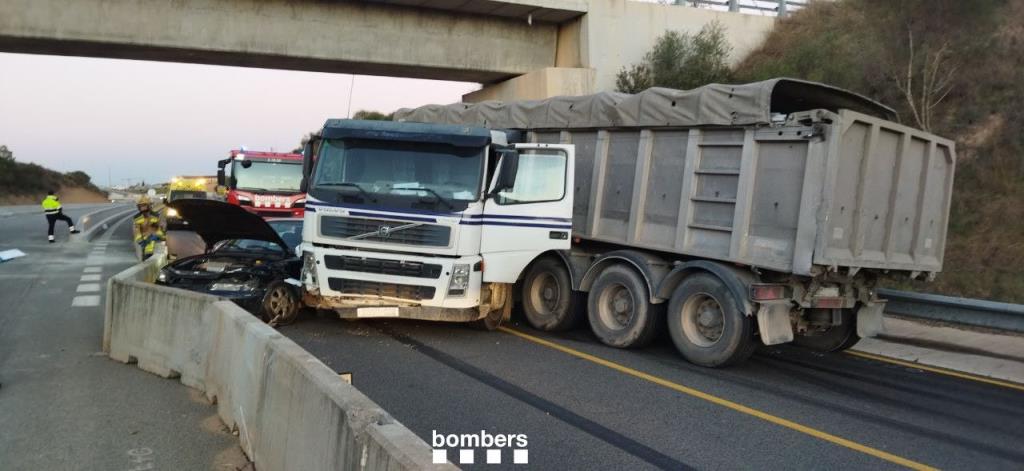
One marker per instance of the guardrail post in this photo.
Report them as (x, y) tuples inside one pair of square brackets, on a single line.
[(734, 5), (782, 9)]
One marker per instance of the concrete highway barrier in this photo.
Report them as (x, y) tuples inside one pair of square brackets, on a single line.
[(290, 410)]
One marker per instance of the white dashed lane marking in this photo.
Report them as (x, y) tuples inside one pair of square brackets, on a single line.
[(86, 301), (95, 277), (93, 270), (88, 288)]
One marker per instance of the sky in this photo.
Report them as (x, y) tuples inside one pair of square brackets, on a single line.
[(150, 121)]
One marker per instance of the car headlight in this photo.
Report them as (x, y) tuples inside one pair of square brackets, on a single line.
[(161, 277), (235, 286), (460, 280), (172, 213)]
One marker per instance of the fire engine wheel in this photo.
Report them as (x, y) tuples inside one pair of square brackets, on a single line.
[(620, 311), (706, 324), (280, 305), (548, 300), (835, 339)]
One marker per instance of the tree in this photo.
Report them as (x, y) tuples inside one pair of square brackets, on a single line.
[(935, 79), (6, 155), (373, 115), (679, 60)]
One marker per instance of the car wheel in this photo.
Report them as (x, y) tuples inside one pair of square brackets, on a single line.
[(280, 305)]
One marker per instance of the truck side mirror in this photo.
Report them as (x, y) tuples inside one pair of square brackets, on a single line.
[(220, 177), (308, 150), (507, 170)]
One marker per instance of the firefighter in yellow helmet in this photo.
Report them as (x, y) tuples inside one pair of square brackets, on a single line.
[(143, 221), (55, 212)]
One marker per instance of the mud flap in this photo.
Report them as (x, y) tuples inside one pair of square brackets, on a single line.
[(869, 319), (773, 323)]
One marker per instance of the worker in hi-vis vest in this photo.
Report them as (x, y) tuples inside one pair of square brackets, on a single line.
[(54, 212), (142, 221)]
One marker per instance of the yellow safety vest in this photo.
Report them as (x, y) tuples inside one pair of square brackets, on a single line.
[(140, 223), (151, 244), (51, 205)]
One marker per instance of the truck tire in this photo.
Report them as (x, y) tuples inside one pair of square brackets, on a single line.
[(620, 311), (836, 339), (707, 325), (489, 322), (548, 300)]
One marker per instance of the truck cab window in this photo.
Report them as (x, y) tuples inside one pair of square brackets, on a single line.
[(541, 177)]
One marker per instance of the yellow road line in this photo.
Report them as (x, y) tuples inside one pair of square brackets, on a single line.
[(725, 403), (936, 369)]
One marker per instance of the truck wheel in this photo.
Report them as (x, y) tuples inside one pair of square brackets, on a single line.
[(620, 311), (547, 296), (836, 339), (489, 322), (707, 325), (280, 305)]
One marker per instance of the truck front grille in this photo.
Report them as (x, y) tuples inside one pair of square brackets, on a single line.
[(373, 288), (372, 230), (383, 266)]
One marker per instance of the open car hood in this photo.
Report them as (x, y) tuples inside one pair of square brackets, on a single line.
[(215, 221)]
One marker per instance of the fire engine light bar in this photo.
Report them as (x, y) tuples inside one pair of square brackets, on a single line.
[(768, 292)]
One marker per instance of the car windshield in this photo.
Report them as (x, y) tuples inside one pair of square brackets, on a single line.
[(290, 231), (396, 173), (267, 176)]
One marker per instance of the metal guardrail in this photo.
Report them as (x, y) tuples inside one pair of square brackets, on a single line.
[(770, 7), (973, 312)]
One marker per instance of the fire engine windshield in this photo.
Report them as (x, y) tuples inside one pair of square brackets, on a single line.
[(267, 176), (399, 174)]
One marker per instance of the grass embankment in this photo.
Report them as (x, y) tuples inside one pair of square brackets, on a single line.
[(27, 183), (964, 62)]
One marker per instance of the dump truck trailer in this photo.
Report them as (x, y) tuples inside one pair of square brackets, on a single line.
[(742, 214)]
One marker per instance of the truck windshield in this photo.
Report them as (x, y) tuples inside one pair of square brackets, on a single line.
[(399, 174), (268, 176)]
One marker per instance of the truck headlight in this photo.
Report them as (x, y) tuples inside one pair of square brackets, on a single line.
[(172, 213), (161, 277), (308, 268), (460, 280)]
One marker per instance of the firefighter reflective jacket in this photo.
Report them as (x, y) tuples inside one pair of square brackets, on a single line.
[(51, 205), (141, 222)]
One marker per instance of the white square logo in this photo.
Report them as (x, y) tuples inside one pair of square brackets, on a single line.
[(520, 456), (493, 456), (440, 456), (465, 456)]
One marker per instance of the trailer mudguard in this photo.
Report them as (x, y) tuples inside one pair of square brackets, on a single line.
[(738, 281), (651, 268)]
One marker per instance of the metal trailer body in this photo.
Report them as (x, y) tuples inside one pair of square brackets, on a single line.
[(787, 197), (825, 191)]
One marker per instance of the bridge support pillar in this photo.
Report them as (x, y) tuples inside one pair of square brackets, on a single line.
[(543, 83)]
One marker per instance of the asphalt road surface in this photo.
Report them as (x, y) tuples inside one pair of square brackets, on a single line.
[(586, 406), (63, 404)]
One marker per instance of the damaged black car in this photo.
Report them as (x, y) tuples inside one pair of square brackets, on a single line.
[(248, 259)]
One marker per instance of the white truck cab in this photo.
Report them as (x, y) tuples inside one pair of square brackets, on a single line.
[(428, 221)]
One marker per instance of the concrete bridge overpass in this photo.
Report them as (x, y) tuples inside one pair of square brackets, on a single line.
[(518, 49)]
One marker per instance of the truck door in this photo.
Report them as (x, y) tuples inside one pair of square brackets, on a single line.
[(533, 216)]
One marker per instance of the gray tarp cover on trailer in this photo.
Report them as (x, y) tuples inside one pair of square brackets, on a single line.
[(710, 105)]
